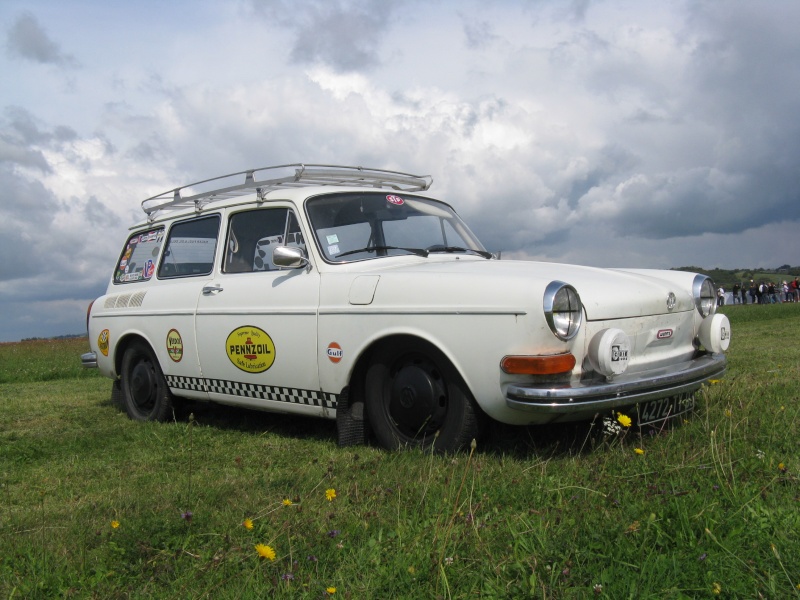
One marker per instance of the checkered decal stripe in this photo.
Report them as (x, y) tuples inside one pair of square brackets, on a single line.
[(251, 390)]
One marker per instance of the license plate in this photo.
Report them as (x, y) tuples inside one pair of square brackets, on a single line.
[(663, 408)]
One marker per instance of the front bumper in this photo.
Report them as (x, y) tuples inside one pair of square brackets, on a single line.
[(573, 399), (89, 360)]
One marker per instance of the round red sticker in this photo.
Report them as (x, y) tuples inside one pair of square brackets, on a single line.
[(396, 200), (335, 352)]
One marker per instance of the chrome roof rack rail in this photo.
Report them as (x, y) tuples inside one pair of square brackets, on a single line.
[(294, 176)]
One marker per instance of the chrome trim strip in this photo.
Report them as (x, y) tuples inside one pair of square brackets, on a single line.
[(629, 388), (89, 360), (448, 311)]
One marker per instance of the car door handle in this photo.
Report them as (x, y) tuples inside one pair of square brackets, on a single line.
[(214, 288)]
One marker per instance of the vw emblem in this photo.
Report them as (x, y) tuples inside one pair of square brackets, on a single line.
[(671, 301)]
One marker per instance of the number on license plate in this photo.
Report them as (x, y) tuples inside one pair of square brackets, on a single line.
[(664, 408)]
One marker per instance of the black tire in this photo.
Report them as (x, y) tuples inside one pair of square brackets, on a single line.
[(413, 393), (144, 389)]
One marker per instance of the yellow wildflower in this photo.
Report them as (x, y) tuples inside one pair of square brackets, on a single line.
[(330, 494), (287, 502), (331, 590), (716, 588), (114, 524), (638, 451), (248, 523), (265, 551), (713, 381), (782, 467), (624, 420)]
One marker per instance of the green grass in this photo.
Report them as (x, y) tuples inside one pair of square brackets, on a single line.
[(542, 512)]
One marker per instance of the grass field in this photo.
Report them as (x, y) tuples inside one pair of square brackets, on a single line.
[(239, 504)]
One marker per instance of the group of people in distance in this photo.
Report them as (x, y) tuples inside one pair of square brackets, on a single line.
[(765, 292)]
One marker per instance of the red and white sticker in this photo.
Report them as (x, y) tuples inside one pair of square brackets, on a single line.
[(396, 200), (664, 334), (335, 352)]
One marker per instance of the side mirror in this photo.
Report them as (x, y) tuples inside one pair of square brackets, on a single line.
[(289, 257)]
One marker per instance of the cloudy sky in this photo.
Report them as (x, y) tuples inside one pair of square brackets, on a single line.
[(600, 132)]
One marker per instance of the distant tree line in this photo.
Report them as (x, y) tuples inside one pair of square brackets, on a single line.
[(726, 278)]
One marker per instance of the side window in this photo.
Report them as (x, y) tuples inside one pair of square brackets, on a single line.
[(253, 234), (138, 260), (190, 248)]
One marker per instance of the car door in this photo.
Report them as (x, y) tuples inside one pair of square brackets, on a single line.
[(257, 324)]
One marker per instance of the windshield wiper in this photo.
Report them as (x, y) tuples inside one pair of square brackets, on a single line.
[(449, 249), (417, 251)]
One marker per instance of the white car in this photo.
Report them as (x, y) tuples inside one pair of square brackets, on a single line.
[(352, 294)]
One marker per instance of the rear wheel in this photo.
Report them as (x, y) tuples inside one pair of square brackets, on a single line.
[(144, 390), (416, 398)]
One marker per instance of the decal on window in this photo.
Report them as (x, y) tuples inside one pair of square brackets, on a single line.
[(250, 349), (396, 200)]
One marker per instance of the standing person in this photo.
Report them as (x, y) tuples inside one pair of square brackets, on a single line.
[(736, 288), (786, 292), (773, 297), (720, 296), (795, 285), (753, 291), (744, 293)]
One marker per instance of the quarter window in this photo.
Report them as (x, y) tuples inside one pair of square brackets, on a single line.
[(190, 248), (138, 260)]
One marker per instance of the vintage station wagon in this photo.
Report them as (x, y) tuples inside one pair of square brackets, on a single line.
[(352, 294)]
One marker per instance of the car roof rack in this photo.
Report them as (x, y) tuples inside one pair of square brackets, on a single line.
[(295, 176)]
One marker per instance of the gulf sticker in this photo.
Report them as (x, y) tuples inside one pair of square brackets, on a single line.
[(174, 345), (335, 352), (250, 349), (102, 342), (397, 200)]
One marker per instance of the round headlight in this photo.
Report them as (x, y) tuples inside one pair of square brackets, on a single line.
[(705, 297), (563, 310)]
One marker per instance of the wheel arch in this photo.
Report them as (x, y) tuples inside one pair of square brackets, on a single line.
[(125, 342)]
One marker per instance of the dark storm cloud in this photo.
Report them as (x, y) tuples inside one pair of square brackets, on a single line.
[(27, 40), (343, 34)]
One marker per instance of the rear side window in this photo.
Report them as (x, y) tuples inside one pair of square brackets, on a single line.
[(190, 248), (138, 260)]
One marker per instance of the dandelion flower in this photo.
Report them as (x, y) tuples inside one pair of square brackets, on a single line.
[(248, 523), (716, 588), (114, 524), (624, 420), (265, 551), (330, 494), (713, 381), (782, 467), (331, 590), (638, 451), (287, 502)]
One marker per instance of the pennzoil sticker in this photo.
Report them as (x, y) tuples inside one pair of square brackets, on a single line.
[(335, 352), (174, 345), (250, 349), (102, 342)]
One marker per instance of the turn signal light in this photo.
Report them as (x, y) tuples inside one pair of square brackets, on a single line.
[(553, 364)]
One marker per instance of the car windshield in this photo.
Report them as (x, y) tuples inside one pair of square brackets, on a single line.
[(359, 226)]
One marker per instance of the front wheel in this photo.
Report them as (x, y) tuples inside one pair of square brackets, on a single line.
[(416, 398), (144, 390)]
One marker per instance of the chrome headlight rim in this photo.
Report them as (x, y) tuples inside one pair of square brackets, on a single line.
[(705, 295), (563, 310)]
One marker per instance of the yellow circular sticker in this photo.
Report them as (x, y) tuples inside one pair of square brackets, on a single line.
[(102, 342), (250, 349), (174, 345)]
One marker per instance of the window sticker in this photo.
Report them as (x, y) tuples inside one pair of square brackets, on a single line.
[(332, 239), (138, 260), (333, 250), (396, 200)]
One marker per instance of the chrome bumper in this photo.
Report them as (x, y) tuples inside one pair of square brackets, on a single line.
[(89, 360), (627, 389)]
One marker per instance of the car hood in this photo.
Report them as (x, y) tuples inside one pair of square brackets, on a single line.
[(605, 293)]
